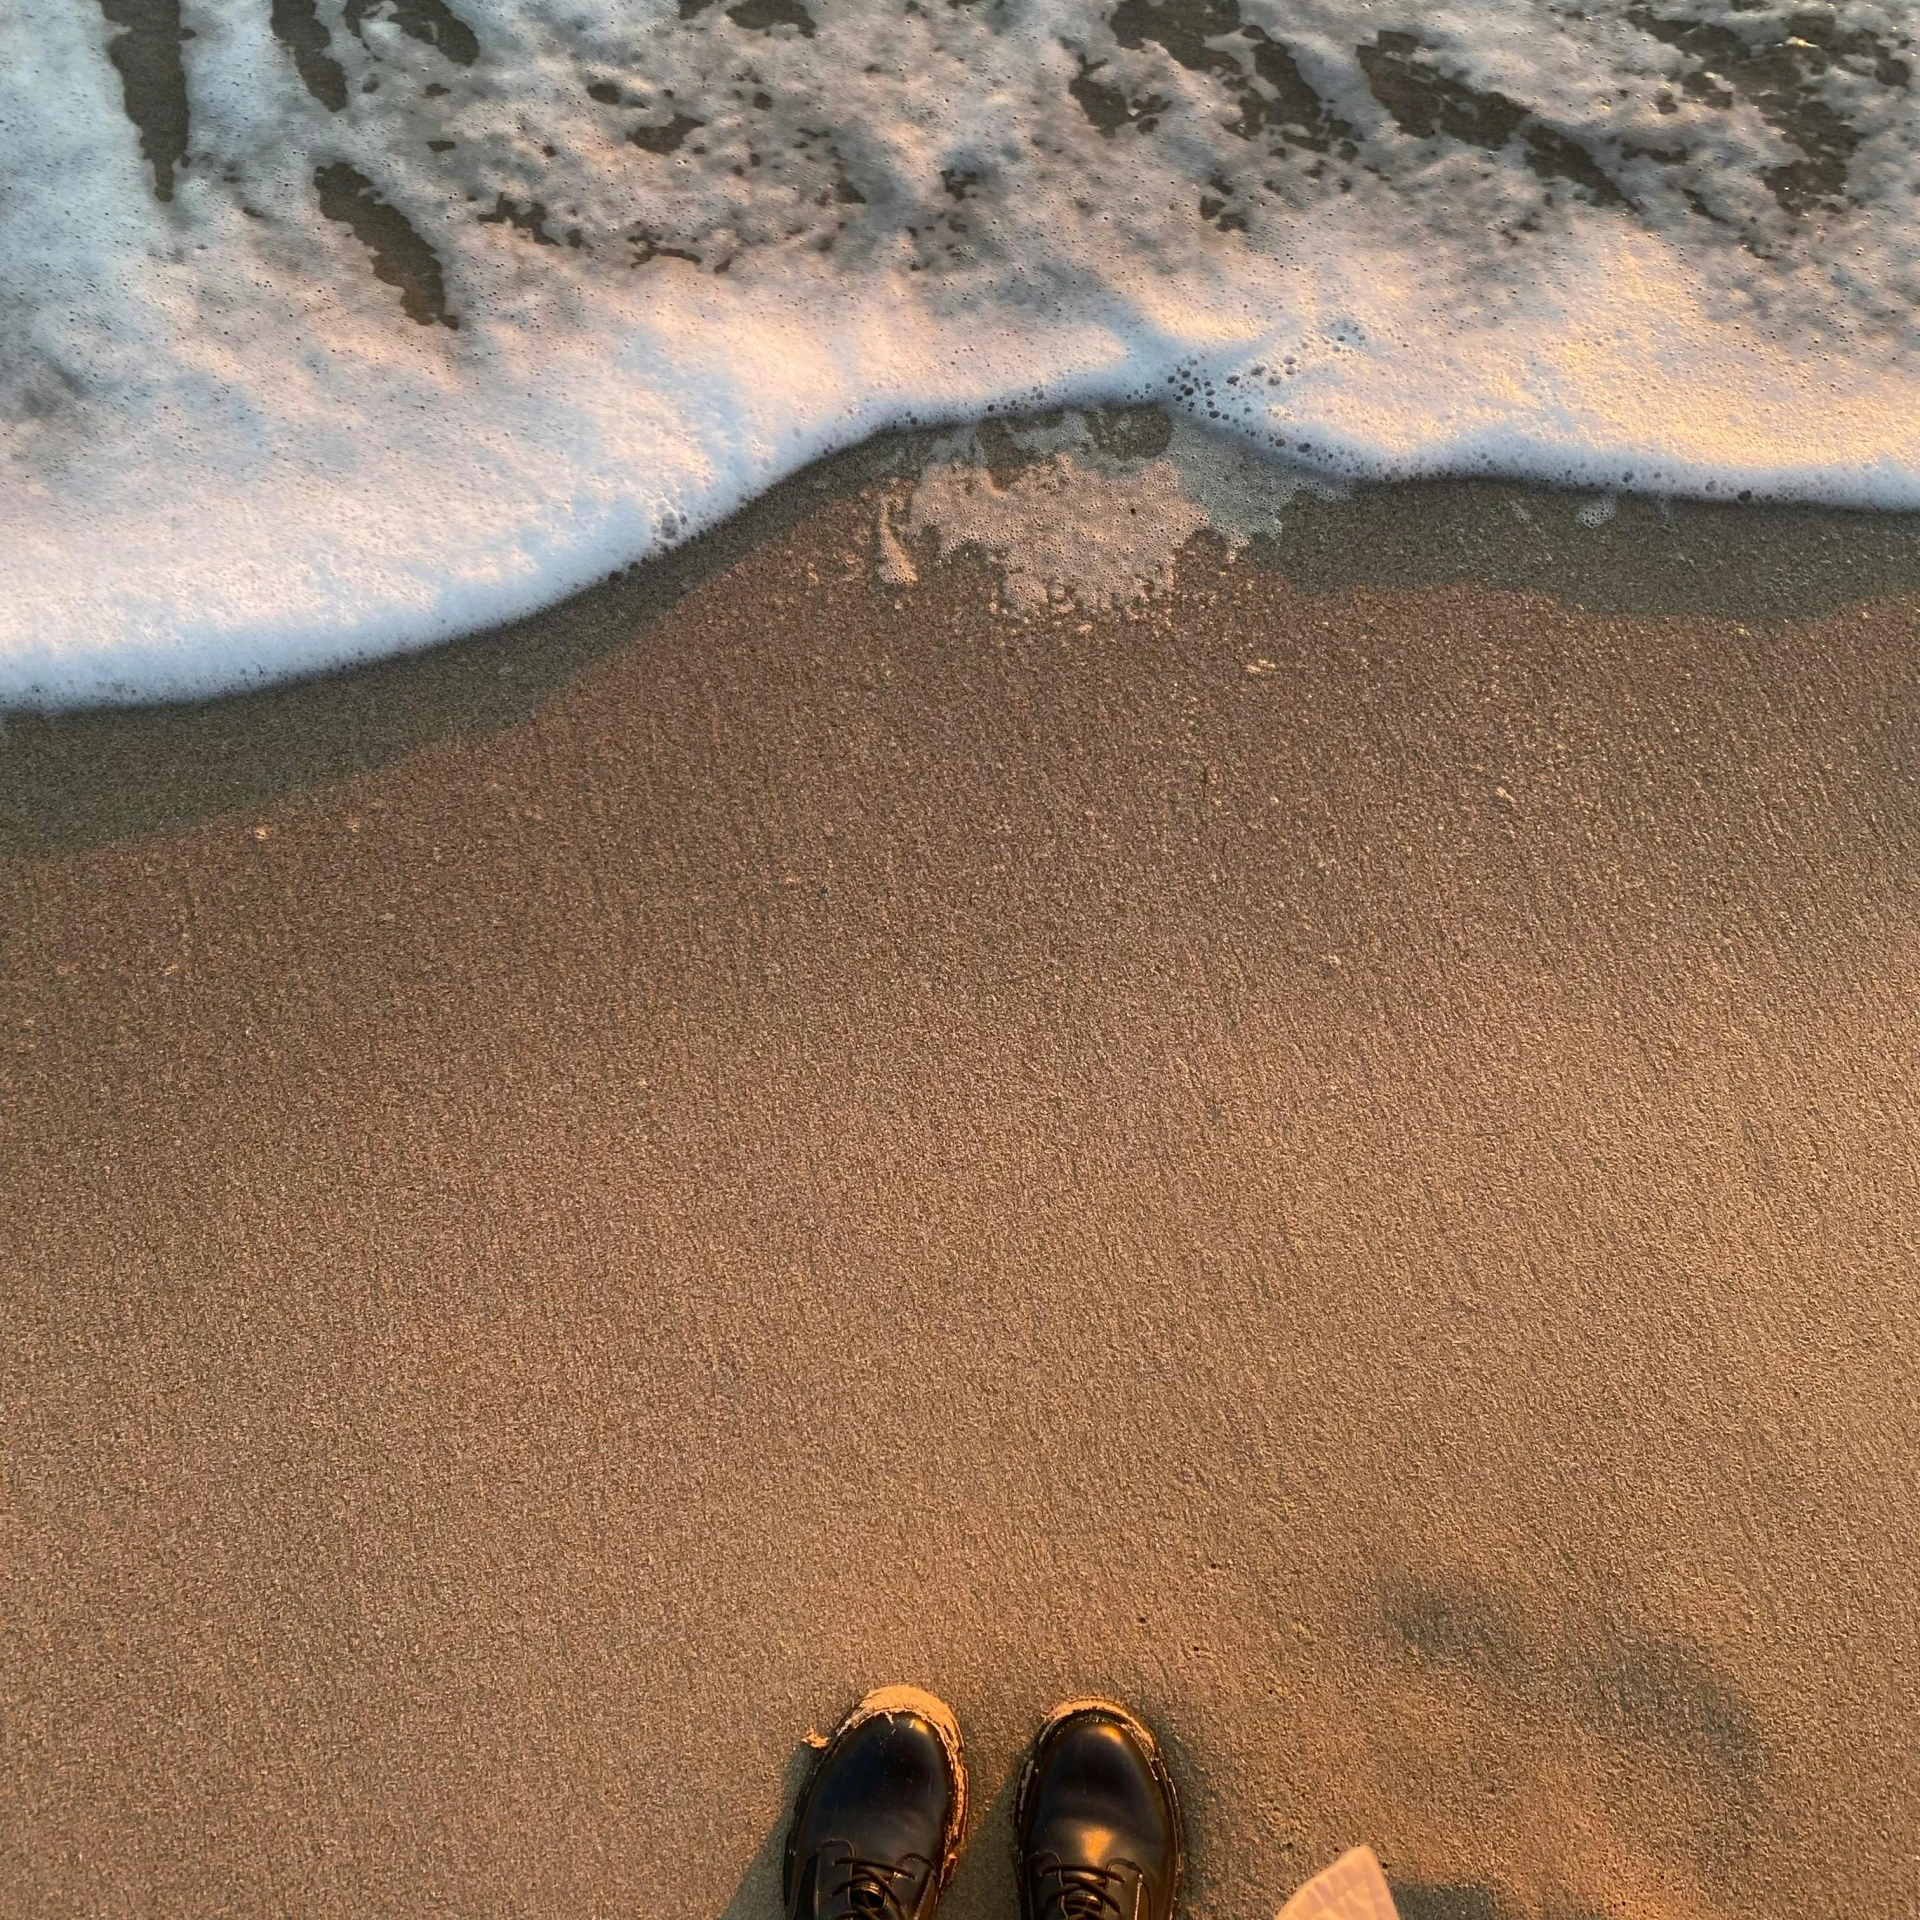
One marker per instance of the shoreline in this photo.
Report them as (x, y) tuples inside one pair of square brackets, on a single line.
[(70, 777)]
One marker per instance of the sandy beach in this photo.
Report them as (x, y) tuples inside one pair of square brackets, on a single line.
[(1340, 1160)]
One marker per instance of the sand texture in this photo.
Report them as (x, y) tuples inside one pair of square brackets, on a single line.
[(1338, 1161)]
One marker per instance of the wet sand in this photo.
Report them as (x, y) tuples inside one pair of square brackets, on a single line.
[(1338, 1161)]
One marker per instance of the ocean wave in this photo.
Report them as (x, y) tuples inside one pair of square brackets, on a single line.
[(334, 327)]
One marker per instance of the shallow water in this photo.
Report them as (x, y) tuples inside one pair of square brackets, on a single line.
[(330, 328)]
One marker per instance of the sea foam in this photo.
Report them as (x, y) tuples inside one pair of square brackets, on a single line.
[(336, 327)]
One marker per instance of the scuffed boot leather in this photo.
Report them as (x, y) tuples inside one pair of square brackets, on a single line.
[(877, 1826), (1096, 1826)]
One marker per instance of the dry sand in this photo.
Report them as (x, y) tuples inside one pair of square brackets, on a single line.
[(572, 1203)]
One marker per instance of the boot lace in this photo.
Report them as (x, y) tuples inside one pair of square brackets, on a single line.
[(1085, 1893), (864, 1890)]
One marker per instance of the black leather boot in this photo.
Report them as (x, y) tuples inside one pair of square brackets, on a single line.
[(1096, 1828), (876, 1829)]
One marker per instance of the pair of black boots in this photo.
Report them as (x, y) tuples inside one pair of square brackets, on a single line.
[(876, 1830)]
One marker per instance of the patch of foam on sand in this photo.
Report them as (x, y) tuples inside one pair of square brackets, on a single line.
[(1061, 534), (342, 326), (1086, 518)]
